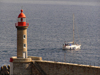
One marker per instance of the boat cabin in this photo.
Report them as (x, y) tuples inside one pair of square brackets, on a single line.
[(69, 44)]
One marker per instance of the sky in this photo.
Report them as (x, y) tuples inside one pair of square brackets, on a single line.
[(61, 2)]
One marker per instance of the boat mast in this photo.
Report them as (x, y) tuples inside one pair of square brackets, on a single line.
[(73, 28)]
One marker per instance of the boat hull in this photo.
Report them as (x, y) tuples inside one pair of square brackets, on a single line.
[(72, 47)]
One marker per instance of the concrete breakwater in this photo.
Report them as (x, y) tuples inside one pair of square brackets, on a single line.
[(61, 68), (37, 66), (5, 70)]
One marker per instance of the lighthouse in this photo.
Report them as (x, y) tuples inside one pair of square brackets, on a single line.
[(20, 64), (21, 26)]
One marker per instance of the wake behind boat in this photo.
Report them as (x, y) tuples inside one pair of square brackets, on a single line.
[(72, 45)]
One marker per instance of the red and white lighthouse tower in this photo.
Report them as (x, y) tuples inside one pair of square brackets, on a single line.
[(21, 35)]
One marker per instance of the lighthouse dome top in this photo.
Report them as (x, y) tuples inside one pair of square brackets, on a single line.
[(21, 15)]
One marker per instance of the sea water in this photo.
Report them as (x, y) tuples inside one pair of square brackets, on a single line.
[(50, 25)]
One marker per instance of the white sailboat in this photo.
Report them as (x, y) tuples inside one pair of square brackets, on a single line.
[(72, 45)]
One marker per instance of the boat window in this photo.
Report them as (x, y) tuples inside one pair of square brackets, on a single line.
[(70, 44)]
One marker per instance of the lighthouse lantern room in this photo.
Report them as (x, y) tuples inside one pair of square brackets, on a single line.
[(21, 35)]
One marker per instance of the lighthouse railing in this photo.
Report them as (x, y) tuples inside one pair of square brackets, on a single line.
[(27, 24)]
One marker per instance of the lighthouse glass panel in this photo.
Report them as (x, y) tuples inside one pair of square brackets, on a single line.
[(21, 19)]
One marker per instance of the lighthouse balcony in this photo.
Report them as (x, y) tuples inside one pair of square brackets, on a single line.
[(21, 24)]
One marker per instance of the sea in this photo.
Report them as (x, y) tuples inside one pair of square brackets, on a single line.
[(50, 25)]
